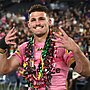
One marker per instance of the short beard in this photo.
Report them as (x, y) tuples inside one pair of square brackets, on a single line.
[(40, 35)]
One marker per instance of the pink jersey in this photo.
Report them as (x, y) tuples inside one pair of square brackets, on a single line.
[(58, 81)]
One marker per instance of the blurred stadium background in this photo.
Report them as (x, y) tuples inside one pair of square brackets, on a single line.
[(72, 15)]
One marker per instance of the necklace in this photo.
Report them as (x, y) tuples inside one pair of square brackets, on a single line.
[(40, 77)]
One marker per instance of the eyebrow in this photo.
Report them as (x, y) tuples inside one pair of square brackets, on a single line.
[(40, 18)]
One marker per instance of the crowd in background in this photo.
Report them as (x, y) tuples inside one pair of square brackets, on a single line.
[(74, 20)]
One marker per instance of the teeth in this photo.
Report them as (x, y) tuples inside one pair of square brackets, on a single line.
[(38, 27)]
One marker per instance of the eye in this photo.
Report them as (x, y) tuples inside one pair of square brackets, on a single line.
[(41, 18), (33, 19)]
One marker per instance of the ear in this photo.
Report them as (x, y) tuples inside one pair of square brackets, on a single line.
[(28, 24), (51, 21)]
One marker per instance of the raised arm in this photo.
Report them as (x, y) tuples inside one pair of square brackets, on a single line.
[(11, 63), (82, 62)]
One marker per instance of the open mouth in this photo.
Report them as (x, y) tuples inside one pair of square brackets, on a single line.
[(38, 27)]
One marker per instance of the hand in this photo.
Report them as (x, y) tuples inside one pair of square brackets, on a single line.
[(10, 37), (64, 40)]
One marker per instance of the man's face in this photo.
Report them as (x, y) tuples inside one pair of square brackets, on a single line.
[(39, 23)]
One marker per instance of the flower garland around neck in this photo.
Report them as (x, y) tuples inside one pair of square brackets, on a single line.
[(40, 77)]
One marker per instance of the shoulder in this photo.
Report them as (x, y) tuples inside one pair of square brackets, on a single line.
[(21, 48), (23, 45)]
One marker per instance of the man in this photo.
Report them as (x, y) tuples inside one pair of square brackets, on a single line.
[(44, 60)]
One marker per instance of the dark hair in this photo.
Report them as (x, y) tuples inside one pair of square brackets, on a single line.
[(39, 8)]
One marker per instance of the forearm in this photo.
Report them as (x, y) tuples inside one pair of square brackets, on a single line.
[(11, 63), (82, 62), (3, 62)]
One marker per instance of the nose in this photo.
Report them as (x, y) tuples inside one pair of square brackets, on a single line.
[(37, 22)]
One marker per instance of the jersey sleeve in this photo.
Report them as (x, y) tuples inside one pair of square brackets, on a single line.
[(68, 57), (20, 52)]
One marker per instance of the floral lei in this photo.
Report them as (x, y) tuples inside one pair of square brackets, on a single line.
[(40, 77)]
